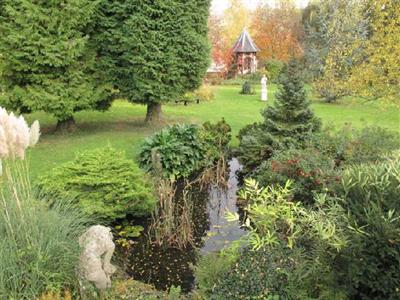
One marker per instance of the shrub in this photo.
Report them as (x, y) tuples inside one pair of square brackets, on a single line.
[(176, 148), (211, 266), (330, 89), (310, 171), (273, 68), (103, 182), (258, 274), (291, 250), (133, 290), (254, 147), (370, 144), (371, 196), (204, 93), (208, 270), (353, 146), (247, 89), (216, 138)]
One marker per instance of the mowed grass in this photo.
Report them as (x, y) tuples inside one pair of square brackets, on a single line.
[(123, 128)]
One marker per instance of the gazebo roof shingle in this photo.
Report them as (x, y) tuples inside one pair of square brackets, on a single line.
[(245, 44)]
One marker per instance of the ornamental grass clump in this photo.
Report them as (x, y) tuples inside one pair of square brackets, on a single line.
[(39, 247)]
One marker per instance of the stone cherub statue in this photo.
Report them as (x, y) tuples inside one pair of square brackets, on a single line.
[(95, 261)]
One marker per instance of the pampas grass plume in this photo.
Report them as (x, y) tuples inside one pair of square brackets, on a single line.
[(15, 135)]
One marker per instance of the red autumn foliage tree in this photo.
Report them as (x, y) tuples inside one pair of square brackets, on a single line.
[(221, 53), (277, 31)]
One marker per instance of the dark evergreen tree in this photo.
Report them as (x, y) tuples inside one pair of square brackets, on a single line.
[(153, 51), (46, 61), (290, 122)]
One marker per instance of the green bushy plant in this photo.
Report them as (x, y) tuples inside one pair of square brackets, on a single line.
[(247, 89), (257, 274), (310, 171), (182, 150), (103, 182), (176, 148), (349, 145), (210, 267), (215, 138), (133, 290), (371, 196), (291, 250), (370, 144), (254, 147), (273, 68)]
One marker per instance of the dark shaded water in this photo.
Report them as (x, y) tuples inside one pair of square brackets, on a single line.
[(165, 267)]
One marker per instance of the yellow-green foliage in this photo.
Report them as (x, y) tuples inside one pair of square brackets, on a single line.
[(378, 75), (103, 182), (56, 296), (133, 290), (344, 28), (204, 93)]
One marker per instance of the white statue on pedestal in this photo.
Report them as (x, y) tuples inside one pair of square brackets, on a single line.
[(95, 262), (264, 90)]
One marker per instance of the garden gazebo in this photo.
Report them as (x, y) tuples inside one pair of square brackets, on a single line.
[(245, 54)]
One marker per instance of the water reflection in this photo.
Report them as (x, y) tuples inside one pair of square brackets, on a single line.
[(222, 232)]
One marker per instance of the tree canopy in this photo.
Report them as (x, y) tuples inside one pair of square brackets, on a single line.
[(153, 51), (46, 62), (377, 70)]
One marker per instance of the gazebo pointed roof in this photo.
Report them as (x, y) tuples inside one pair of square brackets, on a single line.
[(245, 44)]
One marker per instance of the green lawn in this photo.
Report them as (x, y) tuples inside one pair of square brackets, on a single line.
[(123, 127)]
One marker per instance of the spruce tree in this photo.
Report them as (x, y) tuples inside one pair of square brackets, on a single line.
[(288, 123), (46, 61), (290, 120), (153, 51)]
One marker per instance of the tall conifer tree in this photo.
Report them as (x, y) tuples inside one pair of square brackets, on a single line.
[(46, 62), (153, 51), (289, 122)]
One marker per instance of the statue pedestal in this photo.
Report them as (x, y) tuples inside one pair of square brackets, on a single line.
[(264, 95)]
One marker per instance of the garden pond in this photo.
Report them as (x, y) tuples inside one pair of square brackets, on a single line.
[(165, 267)]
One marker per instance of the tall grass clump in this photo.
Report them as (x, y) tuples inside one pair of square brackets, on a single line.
[(39, 247)]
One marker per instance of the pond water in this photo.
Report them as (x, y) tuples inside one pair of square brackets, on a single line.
[(166, 267)]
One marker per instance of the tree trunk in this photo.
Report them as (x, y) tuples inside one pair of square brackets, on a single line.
[(154, 113), (67, 125)]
